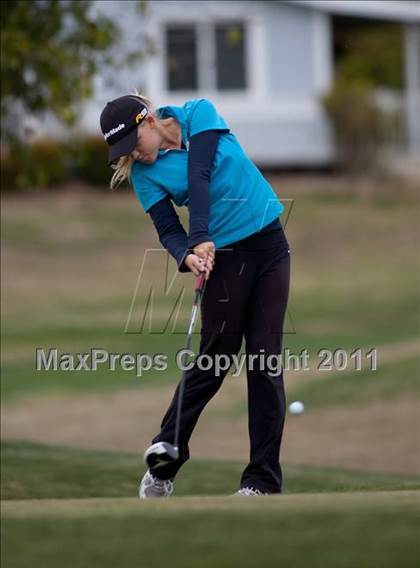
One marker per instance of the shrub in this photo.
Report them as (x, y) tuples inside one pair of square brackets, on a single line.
[(90, 159), (361, 128), (28, 167), (9, 169), (46, 163)]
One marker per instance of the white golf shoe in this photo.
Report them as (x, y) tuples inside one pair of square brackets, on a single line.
[(249, 492), (151, 487)]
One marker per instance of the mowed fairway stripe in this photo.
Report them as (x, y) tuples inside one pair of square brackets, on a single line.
[(280, 503)]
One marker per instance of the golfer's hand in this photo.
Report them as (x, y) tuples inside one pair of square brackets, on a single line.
[(205, 250), (198, 265)]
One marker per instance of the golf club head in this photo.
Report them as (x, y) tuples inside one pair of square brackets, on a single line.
[(160, 454)]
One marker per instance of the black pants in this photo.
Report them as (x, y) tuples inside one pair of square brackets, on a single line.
[(246, 295)]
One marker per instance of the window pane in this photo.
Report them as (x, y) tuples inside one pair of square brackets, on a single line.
[(181, 62), (230, 53)]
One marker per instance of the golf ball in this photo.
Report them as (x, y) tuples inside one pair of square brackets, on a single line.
[(296, 407)]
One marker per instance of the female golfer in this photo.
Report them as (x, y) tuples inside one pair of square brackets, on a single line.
[(188, 155)]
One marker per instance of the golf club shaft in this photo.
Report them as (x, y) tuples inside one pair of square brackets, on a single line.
[(199, 286)]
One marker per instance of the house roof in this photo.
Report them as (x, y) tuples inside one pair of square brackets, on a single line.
[(407, 11)]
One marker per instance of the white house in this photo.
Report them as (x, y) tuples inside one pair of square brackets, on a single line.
[(265, 65)]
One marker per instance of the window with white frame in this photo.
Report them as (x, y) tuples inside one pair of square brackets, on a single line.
[(202, 56), (230, 56), (181, 58)]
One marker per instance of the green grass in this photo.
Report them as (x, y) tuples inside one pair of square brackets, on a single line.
[(35, 471), (84, 223), (77, 508), (390, 380), (307, 531), (334, 388), (354, 282)]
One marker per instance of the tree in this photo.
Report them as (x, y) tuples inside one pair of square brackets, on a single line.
[(369, 52), (50, 51), (368, 57)]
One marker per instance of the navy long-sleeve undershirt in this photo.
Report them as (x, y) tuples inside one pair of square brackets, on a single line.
[(171, 233), (200, 159)]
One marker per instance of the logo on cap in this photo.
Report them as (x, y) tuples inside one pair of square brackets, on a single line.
[(141, 115), (114, 130)]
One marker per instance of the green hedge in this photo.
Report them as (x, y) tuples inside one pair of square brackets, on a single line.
[(362, 130), (90, 161), (48, 163)]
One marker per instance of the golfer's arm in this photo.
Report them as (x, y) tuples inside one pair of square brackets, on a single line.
[(171, 233), (200, 159)]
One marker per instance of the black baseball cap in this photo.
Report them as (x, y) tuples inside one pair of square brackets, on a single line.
[(119, 121)]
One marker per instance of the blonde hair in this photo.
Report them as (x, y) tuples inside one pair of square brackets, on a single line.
[(123, 166)]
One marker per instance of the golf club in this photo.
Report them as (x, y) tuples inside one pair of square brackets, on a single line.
[(163, 453)]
